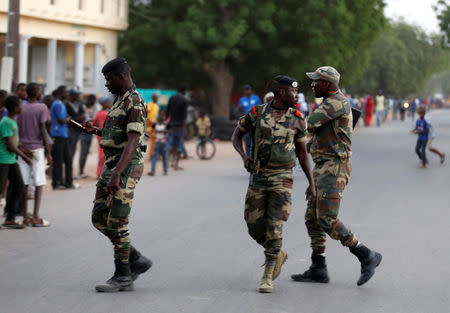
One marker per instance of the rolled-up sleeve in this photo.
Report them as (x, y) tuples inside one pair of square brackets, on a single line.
[(136, 113)]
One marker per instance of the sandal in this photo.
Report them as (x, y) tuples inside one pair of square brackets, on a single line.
[(40, 222), (13, 225)]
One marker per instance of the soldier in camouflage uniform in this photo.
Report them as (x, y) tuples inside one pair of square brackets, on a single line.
[(330, 147), (279, 136), (121, 136)]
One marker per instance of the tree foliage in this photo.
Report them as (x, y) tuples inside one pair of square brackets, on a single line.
[(402, 60), (443, 14), (219, 44)]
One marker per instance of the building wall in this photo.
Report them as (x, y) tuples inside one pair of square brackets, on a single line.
[(69, 21)]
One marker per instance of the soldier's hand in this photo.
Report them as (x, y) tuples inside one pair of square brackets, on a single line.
[(113, 184), (89, 128), (310, 193), (248, 164)]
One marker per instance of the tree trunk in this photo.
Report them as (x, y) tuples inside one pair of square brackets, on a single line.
[(222, 85)]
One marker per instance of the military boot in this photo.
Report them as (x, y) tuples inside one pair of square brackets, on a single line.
[(138, 263), (317, 272), (369, 261), (121, 281), (266, 285), (282, 257)]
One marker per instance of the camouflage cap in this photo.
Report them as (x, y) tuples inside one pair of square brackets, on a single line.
[(326, 73)]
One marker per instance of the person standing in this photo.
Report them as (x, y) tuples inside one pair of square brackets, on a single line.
[(152, 113), (369, 110), (379, 108), (203, 124), (330, 148), (280, 136), (422, 130), (9, 169), (21, 92), (98, 122), (160, 131), (90, 111), (60, 149), (34, 140), (121, 137), (247, 102), (76, 112), (177, 114)]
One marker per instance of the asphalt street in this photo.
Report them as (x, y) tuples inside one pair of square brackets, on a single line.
[(191, 225)]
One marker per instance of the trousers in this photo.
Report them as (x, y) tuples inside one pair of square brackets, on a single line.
[(330, 177)]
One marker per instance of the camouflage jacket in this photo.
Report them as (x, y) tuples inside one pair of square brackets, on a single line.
[(127, 113), (278, 133), (331, 126)]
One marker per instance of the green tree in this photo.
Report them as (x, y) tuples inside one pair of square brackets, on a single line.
[(402, 60), (443, 14), (221, 43)]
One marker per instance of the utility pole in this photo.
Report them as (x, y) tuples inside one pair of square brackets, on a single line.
[(12, 36)]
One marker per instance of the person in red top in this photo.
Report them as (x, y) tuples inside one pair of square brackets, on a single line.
[(369, 110), (99, 120)]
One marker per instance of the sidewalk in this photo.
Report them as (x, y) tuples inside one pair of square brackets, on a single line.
[(224, 150)]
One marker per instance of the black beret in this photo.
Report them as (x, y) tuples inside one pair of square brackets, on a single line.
[(117, 65), (284, 81)]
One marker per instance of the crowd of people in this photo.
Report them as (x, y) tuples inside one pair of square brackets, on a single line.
[(37, 140)]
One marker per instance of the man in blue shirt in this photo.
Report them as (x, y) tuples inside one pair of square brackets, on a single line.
[(60, 134), (247, 102), (422, 130)]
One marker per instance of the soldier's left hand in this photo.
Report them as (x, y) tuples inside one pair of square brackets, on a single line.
[(113, 184), (310, 193)]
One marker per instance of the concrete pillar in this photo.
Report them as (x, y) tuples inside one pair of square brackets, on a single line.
[(79, 65), (51, 65), (97, 68), (23, 59)]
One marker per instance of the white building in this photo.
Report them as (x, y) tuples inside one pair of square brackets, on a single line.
[(66, 42)]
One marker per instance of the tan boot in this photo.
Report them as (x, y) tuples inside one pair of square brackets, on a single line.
[(282, 257), (266, 285)]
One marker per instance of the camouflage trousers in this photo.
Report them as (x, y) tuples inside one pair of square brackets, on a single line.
[(267, 206), (110, 213), (330, 177)]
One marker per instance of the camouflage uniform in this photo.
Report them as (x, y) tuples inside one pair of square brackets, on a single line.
[(110, 213), (330, 147), (268, 200)]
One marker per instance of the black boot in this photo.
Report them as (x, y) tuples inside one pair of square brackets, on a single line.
[(121, 281), (138, 263), (317, 272), (369, 261)]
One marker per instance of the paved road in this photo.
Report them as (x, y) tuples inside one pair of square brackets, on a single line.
[(191, 225)]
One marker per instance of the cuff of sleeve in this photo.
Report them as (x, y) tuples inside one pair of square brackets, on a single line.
[(135, 127), (302, 139), (242, 129)]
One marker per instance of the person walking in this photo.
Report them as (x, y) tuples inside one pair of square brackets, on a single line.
[(161, 132), (431, 137), (121, 137), (9, 169), (279, 135), (330, 148), (98, 122), (60, 149), (34, 140), (422, 131)]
